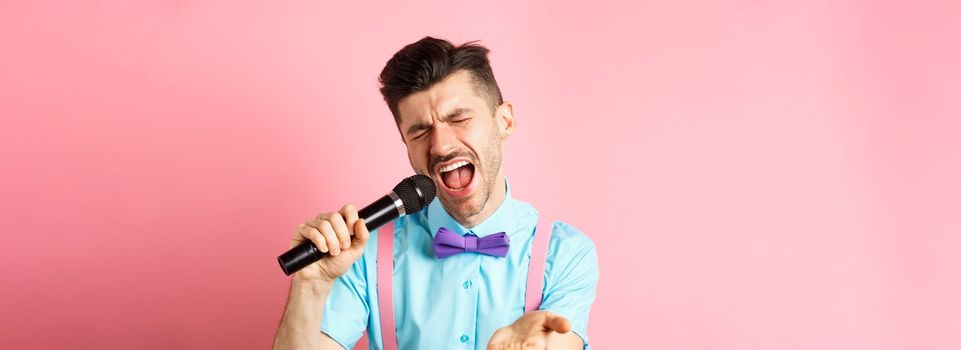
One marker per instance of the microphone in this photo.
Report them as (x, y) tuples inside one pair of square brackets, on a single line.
[(411, 195)]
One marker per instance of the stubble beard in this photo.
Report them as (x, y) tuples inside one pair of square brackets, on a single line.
[(492, 164)]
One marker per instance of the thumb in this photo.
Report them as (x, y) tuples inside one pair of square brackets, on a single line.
[(557, 323), (361, 235)]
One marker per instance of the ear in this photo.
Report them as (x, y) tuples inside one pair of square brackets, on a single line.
[(504, 115)]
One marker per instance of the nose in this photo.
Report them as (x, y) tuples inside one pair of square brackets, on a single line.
[(443, 140)]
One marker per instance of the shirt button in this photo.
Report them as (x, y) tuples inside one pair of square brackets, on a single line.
[(464, 338), (467, 284)]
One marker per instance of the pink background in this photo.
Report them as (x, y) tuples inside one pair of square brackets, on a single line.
[(755, 174)]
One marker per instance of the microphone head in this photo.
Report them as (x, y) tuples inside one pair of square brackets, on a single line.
[(416, 192)]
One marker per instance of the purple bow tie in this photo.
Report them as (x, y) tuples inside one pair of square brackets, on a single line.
[(447, 243)]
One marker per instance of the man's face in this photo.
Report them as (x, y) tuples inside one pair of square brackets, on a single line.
[(453, 136)]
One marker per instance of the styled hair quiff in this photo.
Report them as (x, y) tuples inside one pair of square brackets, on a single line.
[(420, 65)]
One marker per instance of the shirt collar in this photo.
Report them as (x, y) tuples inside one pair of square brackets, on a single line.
[(500, 221)]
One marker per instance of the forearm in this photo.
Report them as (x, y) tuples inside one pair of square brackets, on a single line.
[(300, 326)]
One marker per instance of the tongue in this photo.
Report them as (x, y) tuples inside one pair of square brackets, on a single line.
[(458, 178)]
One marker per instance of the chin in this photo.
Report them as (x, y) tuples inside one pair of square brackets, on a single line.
[(462, 207)]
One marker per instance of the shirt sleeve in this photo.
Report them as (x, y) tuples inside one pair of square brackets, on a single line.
[(347, 310), (571, 275)]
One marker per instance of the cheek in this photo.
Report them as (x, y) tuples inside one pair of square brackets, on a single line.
[(418, 157), (480, 139), (473, 132)]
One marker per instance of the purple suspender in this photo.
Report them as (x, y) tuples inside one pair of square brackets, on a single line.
[(385, 270)]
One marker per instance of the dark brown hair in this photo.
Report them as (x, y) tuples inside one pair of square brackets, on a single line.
[(428, 61)]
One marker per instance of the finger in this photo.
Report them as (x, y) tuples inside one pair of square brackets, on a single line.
[(350, 216), (361, 236), (310, 233), (340, 228), (331, 236), (317, 219), (558, 324), (299, 235)]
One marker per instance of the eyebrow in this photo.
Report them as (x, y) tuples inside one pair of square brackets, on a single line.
[(424, 126)]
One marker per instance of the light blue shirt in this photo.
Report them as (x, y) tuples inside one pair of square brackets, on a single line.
[(460, 301)]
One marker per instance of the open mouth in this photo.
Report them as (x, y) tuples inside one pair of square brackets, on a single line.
[(457, 176)]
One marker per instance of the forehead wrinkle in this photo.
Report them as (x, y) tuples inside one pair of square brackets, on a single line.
[(442, 100), (444, 117)]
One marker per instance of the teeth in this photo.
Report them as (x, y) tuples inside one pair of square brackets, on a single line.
[(453, 166)]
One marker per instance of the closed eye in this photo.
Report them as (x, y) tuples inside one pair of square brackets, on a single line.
[(418, 136), (417, 130), (458, 115)]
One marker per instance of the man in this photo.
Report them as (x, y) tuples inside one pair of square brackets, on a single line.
[(453, 121)]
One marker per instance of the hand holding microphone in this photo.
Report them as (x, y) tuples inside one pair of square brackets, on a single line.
[(336, 240), (340, 236)]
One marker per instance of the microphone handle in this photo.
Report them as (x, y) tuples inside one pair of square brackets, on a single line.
[(375, 215), (380, 212)]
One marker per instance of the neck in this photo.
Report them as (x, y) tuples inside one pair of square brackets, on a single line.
[(498, 193)]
